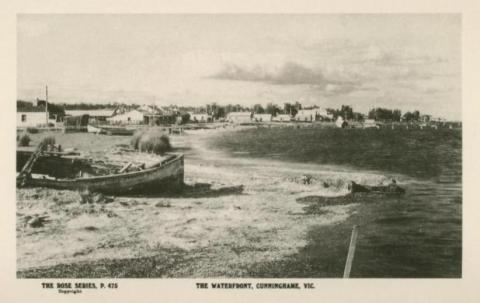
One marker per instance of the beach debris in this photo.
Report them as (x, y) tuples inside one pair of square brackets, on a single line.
[(351, 252), (306, 179), (91, 228), (391, 188), (36, 221), (125, 167), (163, 204), (88, 197)]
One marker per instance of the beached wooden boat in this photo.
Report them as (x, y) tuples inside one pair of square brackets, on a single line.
[(110, 130), (93, 129), (76, 173)]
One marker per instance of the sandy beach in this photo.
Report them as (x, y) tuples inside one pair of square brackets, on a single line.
[(233, 212)]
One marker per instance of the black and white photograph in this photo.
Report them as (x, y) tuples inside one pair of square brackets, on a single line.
[(280, 146)]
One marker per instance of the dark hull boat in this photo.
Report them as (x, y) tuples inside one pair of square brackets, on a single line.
[(74, 173), (391, 189)]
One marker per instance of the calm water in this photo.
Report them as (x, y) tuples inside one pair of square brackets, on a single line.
[(415, 235)]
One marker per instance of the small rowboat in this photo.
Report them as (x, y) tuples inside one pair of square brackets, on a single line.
[(110, 130), (75, 173), (93, 129)]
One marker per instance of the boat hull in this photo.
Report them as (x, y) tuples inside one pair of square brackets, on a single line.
[(166, 177), (111, 131)]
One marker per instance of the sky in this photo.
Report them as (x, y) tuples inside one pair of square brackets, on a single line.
[(409, 62)]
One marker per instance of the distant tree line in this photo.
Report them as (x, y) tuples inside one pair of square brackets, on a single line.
[(384, 114), (93, 106), (395, 115)]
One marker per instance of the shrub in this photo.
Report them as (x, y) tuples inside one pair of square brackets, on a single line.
[(32, 130), (154, 142), (24, 140), (136, 138)]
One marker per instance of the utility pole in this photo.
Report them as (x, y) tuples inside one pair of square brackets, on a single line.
[(46, 102)]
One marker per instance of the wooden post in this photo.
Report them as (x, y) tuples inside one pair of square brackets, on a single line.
[(351, 252), (46, 103)]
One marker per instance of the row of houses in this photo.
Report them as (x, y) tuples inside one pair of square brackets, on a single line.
[(36, 114), (145, 114), (304, 115)]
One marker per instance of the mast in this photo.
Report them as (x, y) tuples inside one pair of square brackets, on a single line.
[(46, 102)]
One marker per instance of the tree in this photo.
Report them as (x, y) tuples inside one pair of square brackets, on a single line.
[(357, 117), (292, 109), (384, 114), (298, 106), (346, 112), (55, 111), (412, 116), (220, 113), (185, 117), (258, 109), (397, 115), (416, 115), (272, 109)]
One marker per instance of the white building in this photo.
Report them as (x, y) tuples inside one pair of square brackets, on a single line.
[(32, 117), (314, 114), (202, 118), (262, 117), (370, 123), (282, 118), (239, 117), (340, 123), (130, 117)]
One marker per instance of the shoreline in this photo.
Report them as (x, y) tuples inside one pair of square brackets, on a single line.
[(238, 210)]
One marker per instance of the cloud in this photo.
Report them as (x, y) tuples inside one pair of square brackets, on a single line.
[(393, 57), (288, 74), (335, 89)]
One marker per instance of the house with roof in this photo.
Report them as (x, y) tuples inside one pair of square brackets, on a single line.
[(31, 114), (314, 114), (145, 114), (153, 115), (370, 123), (200, 118), (282, 118), (94, 115), (129, 117), (239, 117), (32, 117), (262, 117)]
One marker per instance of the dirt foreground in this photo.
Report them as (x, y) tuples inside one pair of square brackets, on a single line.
[(234, 212)]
